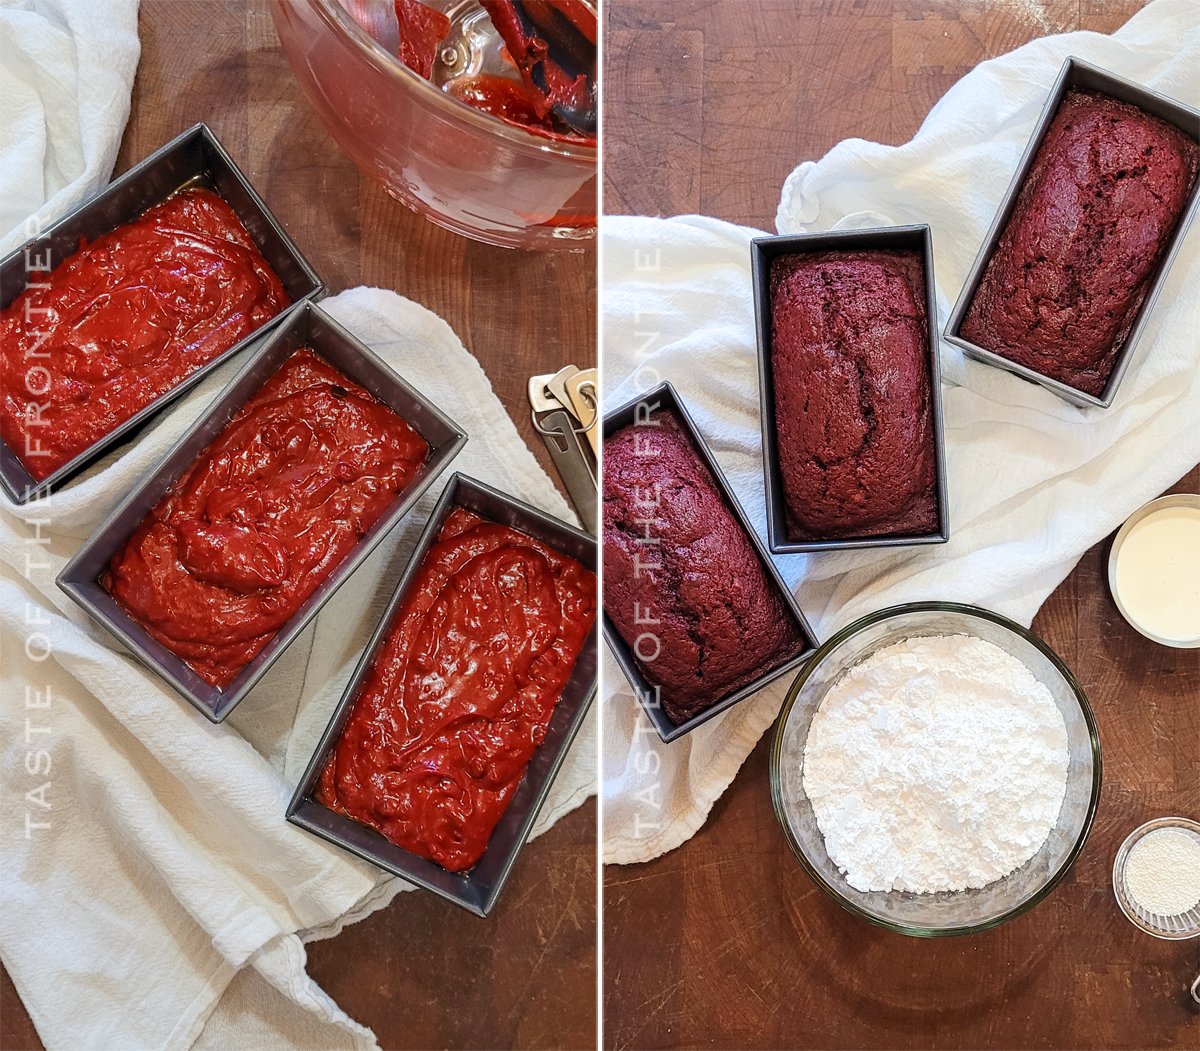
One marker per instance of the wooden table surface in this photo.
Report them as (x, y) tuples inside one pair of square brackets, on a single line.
[(709, 106), (421, 973)]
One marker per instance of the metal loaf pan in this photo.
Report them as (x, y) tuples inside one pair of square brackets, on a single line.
[(305, 326), (663, 398), (477, 889), (1076, 73), (763, 250), (194, 158)]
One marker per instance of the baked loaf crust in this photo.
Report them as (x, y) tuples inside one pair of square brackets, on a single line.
[(1081, 248), (850, 365), (674, 551)]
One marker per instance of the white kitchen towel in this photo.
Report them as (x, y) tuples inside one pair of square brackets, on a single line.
[(1033, 481), (66, 72), (165, 865)]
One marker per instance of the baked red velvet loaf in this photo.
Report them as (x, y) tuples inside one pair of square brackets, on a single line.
[(850, 366), (677, 559), (1080, 250)]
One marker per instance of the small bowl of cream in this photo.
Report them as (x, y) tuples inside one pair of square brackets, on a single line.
[(1154, 570)]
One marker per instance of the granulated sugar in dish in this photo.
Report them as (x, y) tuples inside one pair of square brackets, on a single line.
[(938, 763), (1162, 872)]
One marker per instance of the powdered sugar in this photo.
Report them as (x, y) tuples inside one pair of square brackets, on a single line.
[(938, 763)]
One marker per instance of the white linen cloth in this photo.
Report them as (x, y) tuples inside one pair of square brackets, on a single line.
[(168, 866), (167, 873), (1033, 481), (66, 72)]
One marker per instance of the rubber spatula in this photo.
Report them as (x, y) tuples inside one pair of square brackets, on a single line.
[(553, 43)]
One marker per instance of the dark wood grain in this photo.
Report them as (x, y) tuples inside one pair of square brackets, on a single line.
[(711, 103), (421, 973), (725, 942)]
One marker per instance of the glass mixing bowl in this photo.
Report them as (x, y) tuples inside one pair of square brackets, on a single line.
[(455, 165), (947, 912)]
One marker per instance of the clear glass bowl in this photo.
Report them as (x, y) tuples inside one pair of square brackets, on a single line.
[(947, 912), (1170, 928), (455, 165)]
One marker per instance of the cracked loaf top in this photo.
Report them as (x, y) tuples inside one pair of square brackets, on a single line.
[(683, 585), (850, 365), (1080, 251)]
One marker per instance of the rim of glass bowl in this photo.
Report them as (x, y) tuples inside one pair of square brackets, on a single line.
[(832, 644), (339, 17)]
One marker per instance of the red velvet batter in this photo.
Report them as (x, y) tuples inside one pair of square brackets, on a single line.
[(529, 50), (462, 690), (520, 103), (506, 99), (263, 516), (123, 320), (422, 30)]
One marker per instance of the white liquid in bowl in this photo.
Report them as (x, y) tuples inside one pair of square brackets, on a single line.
[(1158, 574)]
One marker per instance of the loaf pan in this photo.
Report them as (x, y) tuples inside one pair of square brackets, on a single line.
[(478, 888), (664, 399), (194, 158), (763, 250), (304, 326), (1076, 73)]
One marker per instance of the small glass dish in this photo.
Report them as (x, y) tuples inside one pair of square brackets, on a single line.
[(1182, 925), (947, 912)]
